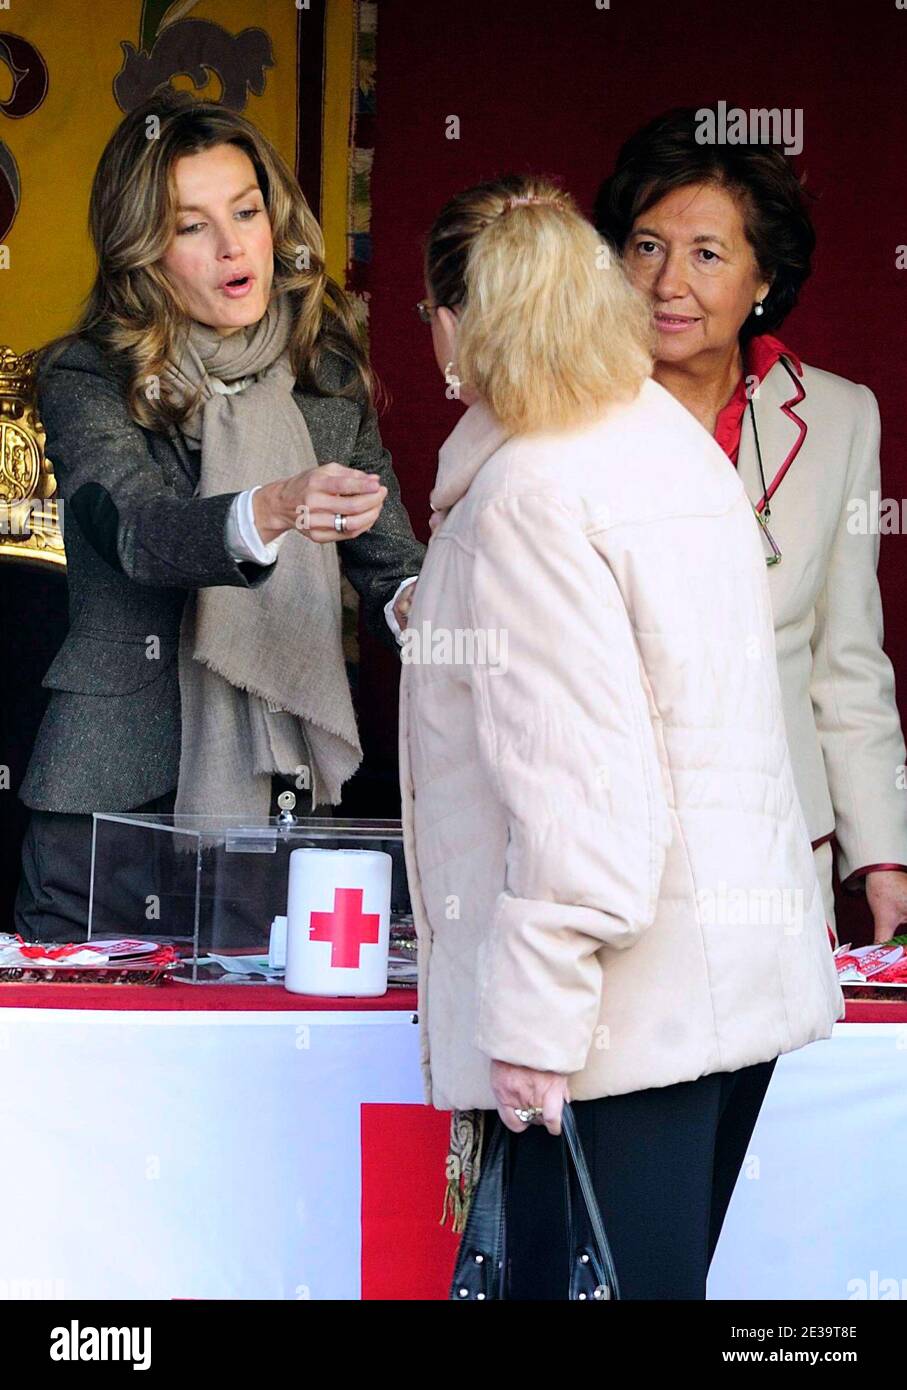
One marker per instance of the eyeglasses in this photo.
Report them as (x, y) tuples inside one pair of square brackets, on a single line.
[(763, 515), (775, 557), (425, 309)]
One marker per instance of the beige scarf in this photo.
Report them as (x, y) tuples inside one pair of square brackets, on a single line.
[(263, 683)]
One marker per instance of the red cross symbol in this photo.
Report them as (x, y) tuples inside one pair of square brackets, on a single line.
[(347, 927)]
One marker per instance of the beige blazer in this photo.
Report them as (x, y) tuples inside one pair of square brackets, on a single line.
[(819, 438), (610, 871)]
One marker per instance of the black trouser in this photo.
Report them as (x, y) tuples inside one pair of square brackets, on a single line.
[(663, 1163), (52, 899)]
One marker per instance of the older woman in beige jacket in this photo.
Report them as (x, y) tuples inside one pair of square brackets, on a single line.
[(720, 239), (612, 880)]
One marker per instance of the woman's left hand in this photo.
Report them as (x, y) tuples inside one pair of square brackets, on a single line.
[(886, 893), (522, 1088)]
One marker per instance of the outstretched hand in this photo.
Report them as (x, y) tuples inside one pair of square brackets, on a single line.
[(309, 501)]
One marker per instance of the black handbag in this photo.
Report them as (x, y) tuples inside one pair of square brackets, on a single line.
[(481, 1268)]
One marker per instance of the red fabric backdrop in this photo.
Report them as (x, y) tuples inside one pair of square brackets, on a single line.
[(555, 88)]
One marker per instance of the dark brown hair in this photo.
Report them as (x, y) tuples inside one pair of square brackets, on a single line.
[(666, 154)]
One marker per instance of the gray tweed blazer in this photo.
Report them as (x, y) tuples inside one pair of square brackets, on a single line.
[(137, 542)]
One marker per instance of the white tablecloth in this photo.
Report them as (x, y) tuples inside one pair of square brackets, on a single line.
[(217, 1155), (817, 1211)]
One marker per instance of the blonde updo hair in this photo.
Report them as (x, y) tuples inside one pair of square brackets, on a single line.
[(550, 331)]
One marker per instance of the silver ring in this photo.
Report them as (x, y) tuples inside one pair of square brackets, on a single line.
[(339, 521), (527, 1116)]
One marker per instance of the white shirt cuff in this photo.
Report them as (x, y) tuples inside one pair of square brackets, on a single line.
[(243, 540), (389, 608)]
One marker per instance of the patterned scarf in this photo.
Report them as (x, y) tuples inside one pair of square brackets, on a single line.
[(463, 1165)]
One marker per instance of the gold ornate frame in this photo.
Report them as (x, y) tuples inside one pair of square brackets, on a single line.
[(31, 528)]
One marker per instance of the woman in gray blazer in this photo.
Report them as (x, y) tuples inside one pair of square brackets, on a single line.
[(719, 238), (214, 367)]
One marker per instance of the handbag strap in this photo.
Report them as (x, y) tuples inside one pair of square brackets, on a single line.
[(481, 1266), (593, 1214)]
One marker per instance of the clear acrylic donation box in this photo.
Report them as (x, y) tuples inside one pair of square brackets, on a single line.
[(215, 883)]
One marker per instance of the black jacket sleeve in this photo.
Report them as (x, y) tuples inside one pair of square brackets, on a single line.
[(379, 560), (116, 489)]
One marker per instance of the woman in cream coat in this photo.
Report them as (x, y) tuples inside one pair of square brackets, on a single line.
[(720, 240), (612, 880)]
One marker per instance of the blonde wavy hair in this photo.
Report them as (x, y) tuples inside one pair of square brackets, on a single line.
[(550, 331), (133, 311)]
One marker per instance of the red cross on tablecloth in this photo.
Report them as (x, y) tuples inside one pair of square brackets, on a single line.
[(347, 927)]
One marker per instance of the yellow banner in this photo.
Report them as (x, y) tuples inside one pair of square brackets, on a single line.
[(70, 71)]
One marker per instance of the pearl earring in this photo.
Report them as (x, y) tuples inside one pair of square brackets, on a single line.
[(450, 375), (758, 309)]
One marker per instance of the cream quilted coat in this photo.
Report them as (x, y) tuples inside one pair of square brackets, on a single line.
[(610, 871)]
